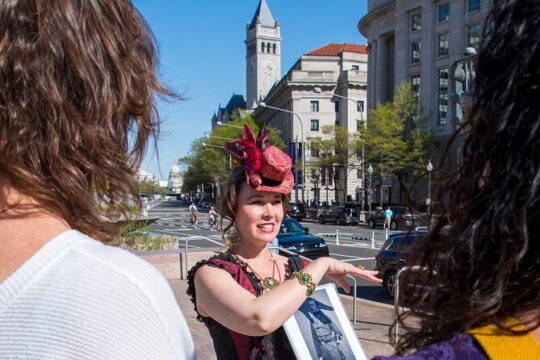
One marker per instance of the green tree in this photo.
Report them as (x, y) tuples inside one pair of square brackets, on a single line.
[(210, 164), (338, 156), (149, 188), (397, 139)]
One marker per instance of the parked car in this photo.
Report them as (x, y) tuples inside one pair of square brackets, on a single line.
[(339, 215), (297, 211), (294, 237), (403, 218), (394, 255)]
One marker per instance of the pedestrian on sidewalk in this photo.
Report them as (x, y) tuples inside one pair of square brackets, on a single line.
[(245, 294), (388, 213), (77, 89), (479, 297)]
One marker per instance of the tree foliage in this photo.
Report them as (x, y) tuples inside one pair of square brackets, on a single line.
[(149, 188), (209, 163), (338, 155), (396, 138)]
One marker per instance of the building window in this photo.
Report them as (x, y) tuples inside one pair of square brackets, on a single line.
[(416, 22), (314, 152), (336, 106), (415, 84), (444, 11), (355, 67), (474, 5), (263, 46), (443, 44), (314, 106), (268, 48), (314, 125), (415, 52), (274, 48), (443, 96), (473, 35), (360, 105)]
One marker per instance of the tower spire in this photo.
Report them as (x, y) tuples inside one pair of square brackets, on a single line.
[(263, 15)]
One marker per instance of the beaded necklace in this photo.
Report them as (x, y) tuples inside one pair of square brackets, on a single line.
[(269, 282)]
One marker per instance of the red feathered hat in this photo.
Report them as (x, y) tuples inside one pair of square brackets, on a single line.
[(267, 167)]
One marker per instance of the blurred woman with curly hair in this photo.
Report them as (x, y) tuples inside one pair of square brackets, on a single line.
[(77, 80), (483, 300)]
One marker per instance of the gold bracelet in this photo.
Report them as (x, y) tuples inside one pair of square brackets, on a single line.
[(305, 280)]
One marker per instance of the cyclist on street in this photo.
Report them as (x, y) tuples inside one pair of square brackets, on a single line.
[(193, 214), (212, 218)]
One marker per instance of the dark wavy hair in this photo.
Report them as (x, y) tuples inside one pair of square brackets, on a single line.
[(491, 253), (229, 204), (76, 106)]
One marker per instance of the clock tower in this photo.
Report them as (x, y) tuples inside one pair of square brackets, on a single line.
[(263, 54)]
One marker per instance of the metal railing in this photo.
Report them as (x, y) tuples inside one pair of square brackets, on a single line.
[(415, 268), (350, 237)]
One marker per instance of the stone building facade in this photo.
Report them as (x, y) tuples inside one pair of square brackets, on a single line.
[(418, 41), (309, 90)]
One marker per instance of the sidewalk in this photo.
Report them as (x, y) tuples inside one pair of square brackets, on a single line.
[(372, 324)]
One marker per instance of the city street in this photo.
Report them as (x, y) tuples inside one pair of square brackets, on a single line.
[(352, 244)]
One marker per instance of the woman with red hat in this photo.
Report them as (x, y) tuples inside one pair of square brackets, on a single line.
[(245, 294)]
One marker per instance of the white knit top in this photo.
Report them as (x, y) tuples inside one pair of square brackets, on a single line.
[(77, 298)]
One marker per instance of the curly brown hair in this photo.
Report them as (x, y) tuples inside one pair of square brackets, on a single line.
[(491, 266), (76, 106), (228, 205)]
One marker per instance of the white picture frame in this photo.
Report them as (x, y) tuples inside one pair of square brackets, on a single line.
[(322, 329)]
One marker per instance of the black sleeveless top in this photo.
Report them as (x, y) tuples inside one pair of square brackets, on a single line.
[(229, 344)]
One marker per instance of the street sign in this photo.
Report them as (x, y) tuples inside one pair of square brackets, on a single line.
[(428, 201)]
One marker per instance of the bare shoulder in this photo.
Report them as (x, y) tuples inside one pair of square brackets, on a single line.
[(207, 272)]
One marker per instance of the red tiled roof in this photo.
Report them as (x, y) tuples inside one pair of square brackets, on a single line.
[(335, 49)]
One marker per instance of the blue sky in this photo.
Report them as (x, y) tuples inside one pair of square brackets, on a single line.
[(202, 56)]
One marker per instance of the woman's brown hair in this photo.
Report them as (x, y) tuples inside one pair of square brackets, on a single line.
[(76, 105), (228, 205)]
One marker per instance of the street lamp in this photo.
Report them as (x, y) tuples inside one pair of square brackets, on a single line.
[(317, 176), (429, 168), (263, 104), (370, 171), (221, 123), (208, 136), (318, 90), (219, 147)]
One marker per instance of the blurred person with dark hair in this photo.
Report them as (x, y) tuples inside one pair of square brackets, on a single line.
[(77, 82), (483, 300)]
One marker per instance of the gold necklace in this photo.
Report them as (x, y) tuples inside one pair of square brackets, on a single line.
[(269, 282)]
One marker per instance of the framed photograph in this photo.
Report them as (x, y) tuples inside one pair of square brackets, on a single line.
[(321, 329)]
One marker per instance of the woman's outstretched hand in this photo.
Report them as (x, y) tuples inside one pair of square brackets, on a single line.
[(337, 270)]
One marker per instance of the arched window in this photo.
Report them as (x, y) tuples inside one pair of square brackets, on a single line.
[(262, 47), (268, 48), (274, 48)]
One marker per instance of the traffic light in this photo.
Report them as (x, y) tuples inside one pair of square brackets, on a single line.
[(461, 80)]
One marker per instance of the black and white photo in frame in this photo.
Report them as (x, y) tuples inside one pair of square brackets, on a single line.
[(321, 329)]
